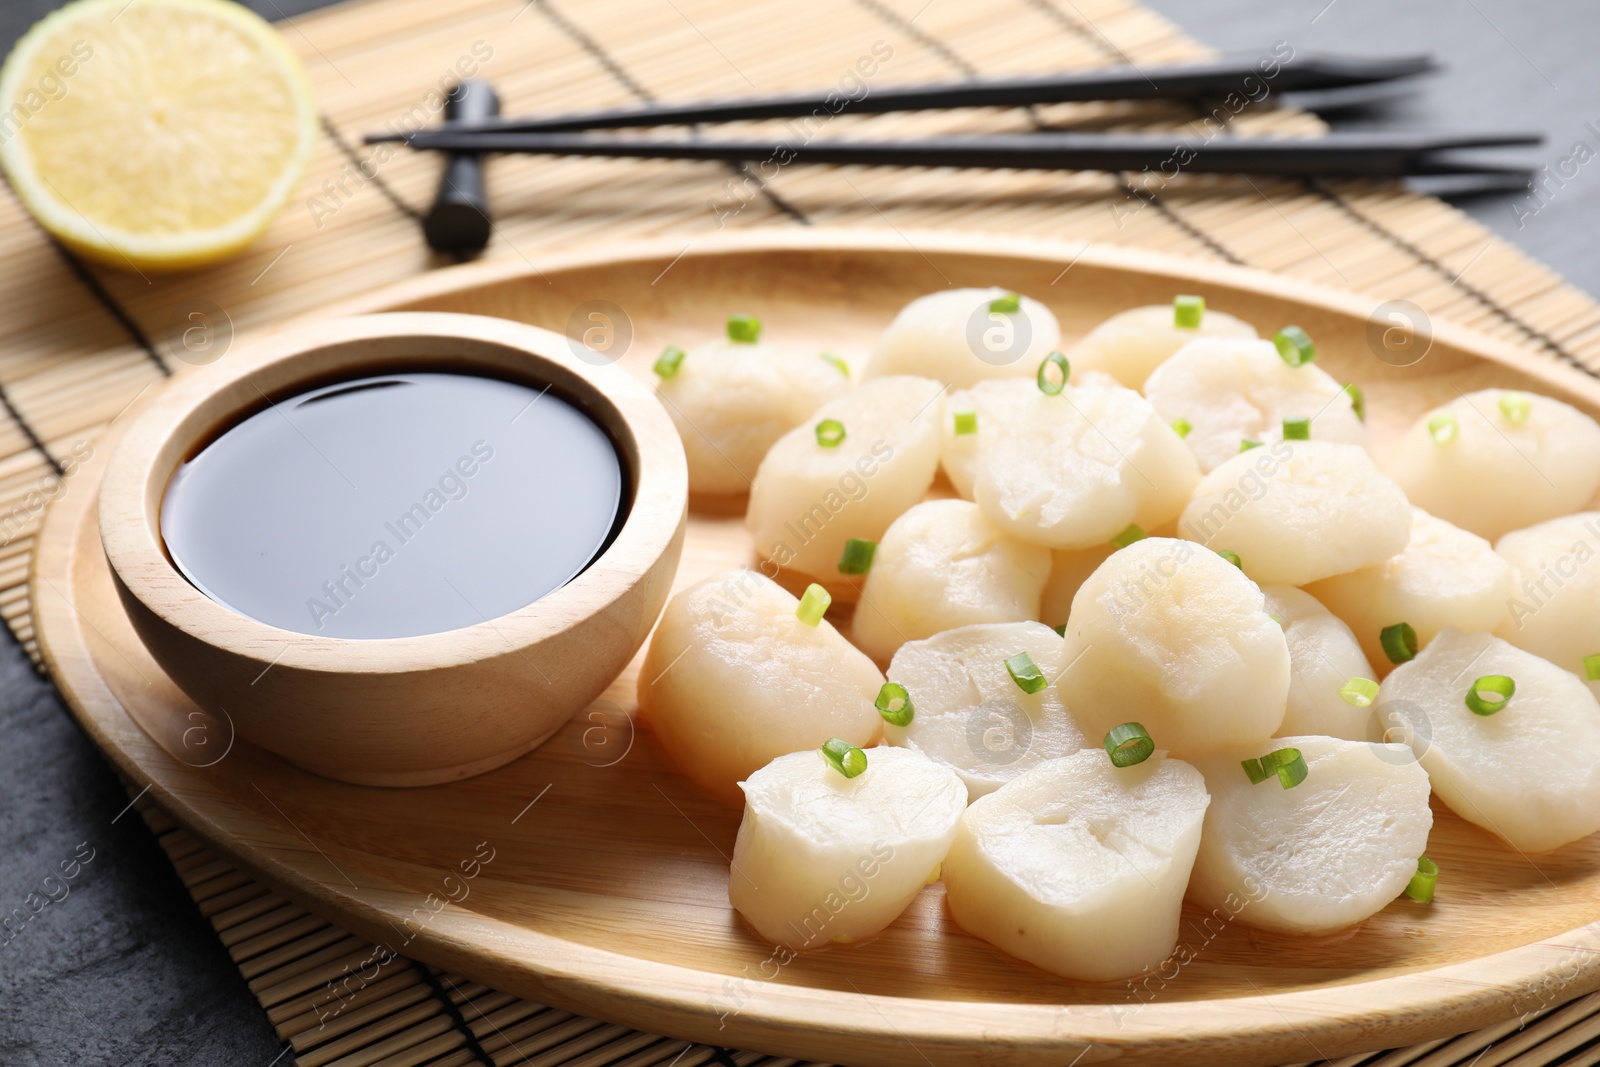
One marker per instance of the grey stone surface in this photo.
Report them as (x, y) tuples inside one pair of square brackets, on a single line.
[(1509, 65), (113, 965), (122, 969)]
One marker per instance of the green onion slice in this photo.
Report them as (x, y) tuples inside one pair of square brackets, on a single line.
[(1049, 385), (1182, 427), (1128, 744), (894, 704), (1399, 642), (1025, 673), (1358, 400), (1443, 428), (1232, 557), (1295, 346), (1490, 694), (744, 329), (1516, 407), (1248, 443), (844, 757), (966, 421), (830, 433), (1254, 771), (1359, 692), (1288, 764), (1187, 311), (668, 362), (1127, 537), (1061, 631), (813, 605), (857, 556), (1591, 667), (836, 362), (1297, 429), (1009, 304), (1420, 888)]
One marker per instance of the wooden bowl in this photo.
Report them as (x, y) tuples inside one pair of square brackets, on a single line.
[(411, 710)]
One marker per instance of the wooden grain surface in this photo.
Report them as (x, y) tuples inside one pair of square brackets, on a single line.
[(607, 889)]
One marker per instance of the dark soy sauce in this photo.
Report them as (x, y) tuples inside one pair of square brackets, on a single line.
[(395, 506)]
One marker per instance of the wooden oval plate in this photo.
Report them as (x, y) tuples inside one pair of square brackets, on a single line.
[(605, 887)]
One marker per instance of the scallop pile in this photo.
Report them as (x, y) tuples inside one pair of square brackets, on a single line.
[(1145, 621)]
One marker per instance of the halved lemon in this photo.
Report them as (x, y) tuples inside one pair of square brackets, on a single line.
[(154, 134)]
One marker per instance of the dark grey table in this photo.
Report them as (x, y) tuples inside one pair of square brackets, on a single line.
[(123, 970)]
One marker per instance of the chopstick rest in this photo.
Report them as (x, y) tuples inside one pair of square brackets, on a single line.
[(459, 220)]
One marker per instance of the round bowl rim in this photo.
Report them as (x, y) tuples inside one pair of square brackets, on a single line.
[(132, 539)]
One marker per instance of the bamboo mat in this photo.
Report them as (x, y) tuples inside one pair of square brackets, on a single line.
[(83, 342)]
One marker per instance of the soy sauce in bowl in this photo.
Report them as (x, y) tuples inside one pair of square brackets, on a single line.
[(396, 505)]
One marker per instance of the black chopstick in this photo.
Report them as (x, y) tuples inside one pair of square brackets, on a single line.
[(1187, 81), (1377, 154)]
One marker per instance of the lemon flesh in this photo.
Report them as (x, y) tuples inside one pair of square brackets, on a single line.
[(157, 134)]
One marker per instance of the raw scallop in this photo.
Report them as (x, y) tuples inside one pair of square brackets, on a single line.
[(1531, 771), (1230, 391), (733, 680), (1322, 855), (822, 858), (1079, 867), (954, 337), (1297, 511), (1131, 344), (968, 712), (1174, 636), (1492, 473), (809, 499), (943, 565)]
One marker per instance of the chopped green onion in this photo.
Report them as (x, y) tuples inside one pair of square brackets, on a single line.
[(813, 605), (1358, 400), (1182, 427), (1295, 346), (668, 362), (857, 556), (1048, 385), (744, 329), (1129, 536), (1359, 692), (1297, 429), (1061, 631), (1399, 642), (830, 433), (1276, 618), (1288, 764), (836, 362), (1248, 443), (844, 757), (1009, 304), (1499, 687), (1420, 888), (1025, 673), (1591, 667), (1231, 557), (1443, 428), (966, 421), (894, 704), (1187, 311), (1516, 407), (1128, 744), (1254, 771)]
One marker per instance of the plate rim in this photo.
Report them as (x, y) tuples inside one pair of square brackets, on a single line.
[(676, 1000)]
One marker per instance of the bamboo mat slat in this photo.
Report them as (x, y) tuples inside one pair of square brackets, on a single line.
[(82, 341)]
